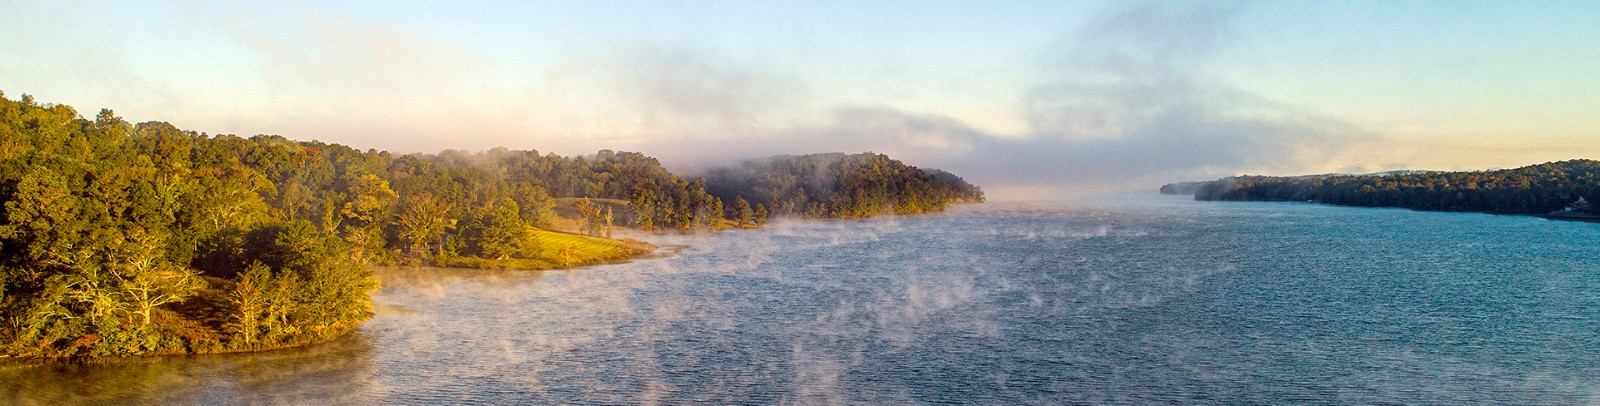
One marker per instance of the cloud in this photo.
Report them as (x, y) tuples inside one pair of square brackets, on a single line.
[(66, 65), (342, 78), (351, 60), (653, 92), (1124, 103), (1130, 104)]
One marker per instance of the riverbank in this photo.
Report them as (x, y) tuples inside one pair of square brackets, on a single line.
[(204, 324), (1554, 216), (1573, 216)]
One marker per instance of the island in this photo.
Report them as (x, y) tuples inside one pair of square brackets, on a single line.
[(120, 239), (1556, 190)]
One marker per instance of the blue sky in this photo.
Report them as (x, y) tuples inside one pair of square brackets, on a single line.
[(1026, 98)]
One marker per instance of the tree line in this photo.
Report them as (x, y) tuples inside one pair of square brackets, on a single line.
[(118, 239), (1534, 189), (836, 185)]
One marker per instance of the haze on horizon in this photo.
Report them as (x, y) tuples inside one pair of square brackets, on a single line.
[(1026, 99)]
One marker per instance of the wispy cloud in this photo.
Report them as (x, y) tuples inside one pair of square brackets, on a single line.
[(1125, 103), (334, 76), (654, 92), (87, 62), (338, 55)]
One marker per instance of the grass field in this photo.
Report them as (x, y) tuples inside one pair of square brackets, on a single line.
[(557, 249)]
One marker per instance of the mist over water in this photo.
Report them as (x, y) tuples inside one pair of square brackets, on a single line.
[(1127, 300)]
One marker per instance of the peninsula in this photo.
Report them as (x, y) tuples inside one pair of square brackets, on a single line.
[(1557, 190)]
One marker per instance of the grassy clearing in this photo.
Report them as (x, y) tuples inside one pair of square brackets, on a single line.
[(557, 249), (560, 247), (568, 218)]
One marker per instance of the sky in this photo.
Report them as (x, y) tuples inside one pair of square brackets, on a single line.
[(1027, 99)]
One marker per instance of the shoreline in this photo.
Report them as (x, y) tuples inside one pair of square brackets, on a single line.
[(1559, 215), (1548, 216), (11, 361)]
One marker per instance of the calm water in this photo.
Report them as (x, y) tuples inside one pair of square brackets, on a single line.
[(1132, 300)]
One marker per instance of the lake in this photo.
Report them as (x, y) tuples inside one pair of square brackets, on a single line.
[(1114, 300)]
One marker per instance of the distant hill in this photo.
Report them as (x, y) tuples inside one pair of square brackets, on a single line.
[(1534, 189), (837, 185)]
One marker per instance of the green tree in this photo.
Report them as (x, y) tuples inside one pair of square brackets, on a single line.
[(250, 300), (283, 298), (364, 214), (334, 287), (538, 208), (644, 207), (743, 212), (423, 220), (146, 280), (596, 220), (498, 232)]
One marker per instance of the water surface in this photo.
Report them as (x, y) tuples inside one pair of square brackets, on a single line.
[(1126, 300)]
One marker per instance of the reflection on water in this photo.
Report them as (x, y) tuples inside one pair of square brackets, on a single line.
[(1132, 301), (339, 371)]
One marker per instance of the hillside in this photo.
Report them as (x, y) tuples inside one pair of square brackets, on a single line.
[(837, 185)]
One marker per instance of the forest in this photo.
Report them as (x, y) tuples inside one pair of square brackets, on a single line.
[(1535, 189), (124, 239), (837, 185)]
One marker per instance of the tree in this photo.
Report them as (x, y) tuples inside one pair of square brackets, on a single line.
[(251, 299), (329, 290), (538, 208), (146, 280), (498, 232), (596, 221), (364, 213), (742, 211), (293, 197), (644, 207), (282, 299), (423, 220), (103, 224)]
